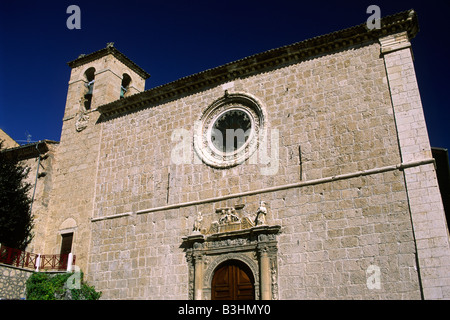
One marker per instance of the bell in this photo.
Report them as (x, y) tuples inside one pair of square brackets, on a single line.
[(90, 87), (122, 92)]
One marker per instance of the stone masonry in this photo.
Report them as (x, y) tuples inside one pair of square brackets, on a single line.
[(343, 165), (430, 228), (337, 228), (13, 282)]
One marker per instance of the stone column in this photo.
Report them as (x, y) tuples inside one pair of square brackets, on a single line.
[(264, 274), (198, 276)]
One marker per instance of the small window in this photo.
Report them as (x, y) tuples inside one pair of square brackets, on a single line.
[(66, 243), (126, 80)]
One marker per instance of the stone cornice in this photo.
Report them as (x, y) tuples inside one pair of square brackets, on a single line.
[(394, 42), (250, 232), (83, 59), (300, 51)]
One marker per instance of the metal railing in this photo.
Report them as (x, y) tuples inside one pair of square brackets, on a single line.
[(23, 259)]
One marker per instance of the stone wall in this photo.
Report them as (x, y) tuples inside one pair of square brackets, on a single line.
[(13, 282), (331, 234), (427, 211), (42, 188), (73, 187), (335, 231), (76, 160), (337, 109), (347, 176)]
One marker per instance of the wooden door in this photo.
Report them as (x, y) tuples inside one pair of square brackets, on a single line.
[(66, 248), (232, 281)]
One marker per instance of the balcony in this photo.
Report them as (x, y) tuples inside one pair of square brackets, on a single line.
[(38, 262)]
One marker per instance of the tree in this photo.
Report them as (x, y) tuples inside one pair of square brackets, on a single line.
[(16, 221)]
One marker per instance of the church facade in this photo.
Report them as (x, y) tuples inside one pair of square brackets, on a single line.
[(303, 172)]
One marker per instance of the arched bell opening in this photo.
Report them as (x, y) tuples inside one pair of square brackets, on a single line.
[(89, 76), (126, 80)]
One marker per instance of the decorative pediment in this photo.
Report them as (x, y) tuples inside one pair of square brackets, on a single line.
[(231, 219), (234, 235)]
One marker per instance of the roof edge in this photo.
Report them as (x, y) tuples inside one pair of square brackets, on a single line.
[(30, 150), (110, 49), (293, 53)]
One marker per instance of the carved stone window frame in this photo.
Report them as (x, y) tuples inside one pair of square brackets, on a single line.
[(202, 134), (256, 247)]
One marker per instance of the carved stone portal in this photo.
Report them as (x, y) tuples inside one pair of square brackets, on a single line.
[(232, 237)]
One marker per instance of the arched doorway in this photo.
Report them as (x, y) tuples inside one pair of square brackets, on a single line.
[(233, 280)]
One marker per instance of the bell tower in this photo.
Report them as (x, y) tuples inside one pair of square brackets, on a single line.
[(100, 78), (96, 79)]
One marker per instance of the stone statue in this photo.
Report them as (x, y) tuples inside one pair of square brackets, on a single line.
[(261, 214), (228, 215), (198, 222)]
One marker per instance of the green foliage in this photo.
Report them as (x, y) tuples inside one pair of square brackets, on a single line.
[(44, 286), (86, 292), (39, 287), (16, 221)]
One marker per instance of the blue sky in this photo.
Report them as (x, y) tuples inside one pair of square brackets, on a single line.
[(173, 39)]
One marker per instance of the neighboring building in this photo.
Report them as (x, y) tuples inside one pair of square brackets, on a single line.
[(8, 142), (303, 172), (40, 158)]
